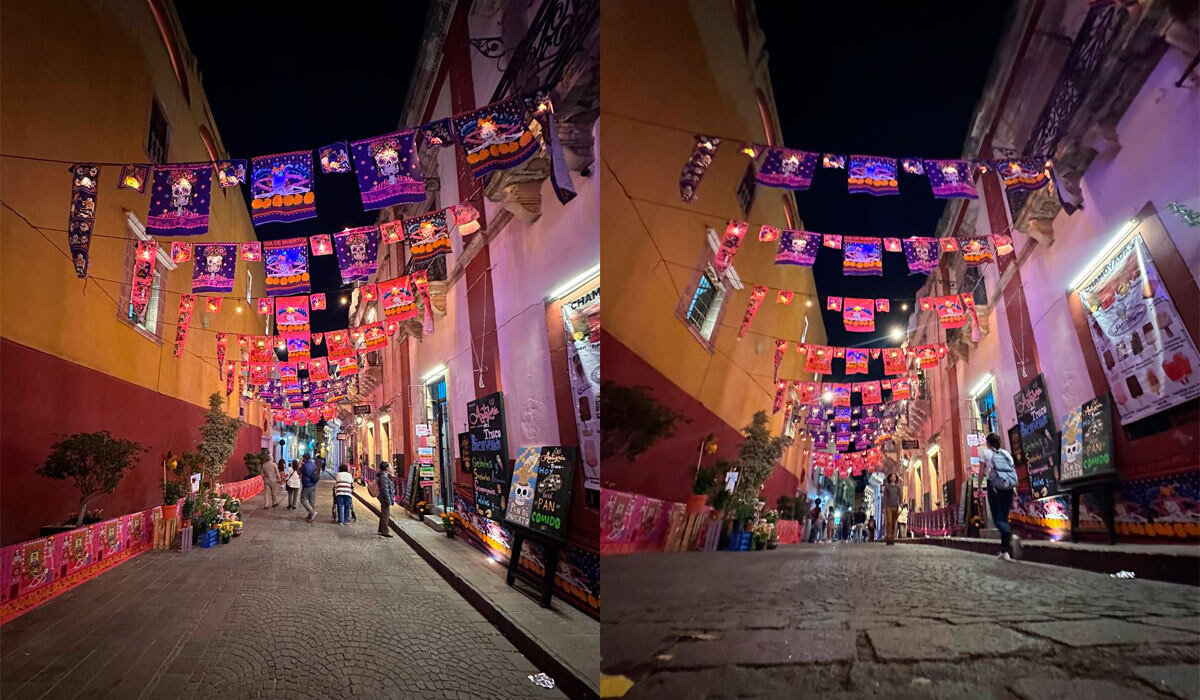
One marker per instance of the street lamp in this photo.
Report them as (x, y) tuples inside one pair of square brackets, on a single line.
[(897, 333)]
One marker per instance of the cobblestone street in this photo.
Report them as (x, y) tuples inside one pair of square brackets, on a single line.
[(859, 620), (287, 610)]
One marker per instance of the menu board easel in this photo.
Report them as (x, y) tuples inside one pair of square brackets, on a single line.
[(1087, 463), (539, 501)]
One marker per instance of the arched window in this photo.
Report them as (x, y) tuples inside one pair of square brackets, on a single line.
[(741, 15), (210, 144), (161, 19), (768, 116), (788, 211)]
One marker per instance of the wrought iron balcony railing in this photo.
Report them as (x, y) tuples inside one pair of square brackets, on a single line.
[(558, 31)]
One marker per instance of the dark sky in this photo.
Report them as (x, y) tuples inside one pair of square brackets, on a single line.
[(888, 79), (282, 79)]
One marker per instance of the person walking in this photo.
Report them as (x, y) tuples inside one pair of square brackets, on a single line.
[(310, 476), (270, 477), (871, 529), (892, 493), (902, 520), (1001, 480), (386, 497), (814, 522), (830, 524), (343, 491), (860, 525), (291, 478)]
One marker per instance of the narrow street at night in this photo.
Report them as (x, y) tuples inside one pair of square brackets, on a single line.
[(295, 610), (865, 620)]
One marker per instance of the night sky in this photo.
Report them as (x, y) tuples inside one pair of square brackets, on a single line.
[(282, 80), (880, 79)]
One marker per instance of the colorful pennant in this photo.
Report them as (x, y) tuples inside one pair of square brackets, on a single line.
[(797, 248), (215, 267), (388, 170), (787, 169), (281, 188), (285, 263), (180, 199), (495, 137), (872, 175), (334, 158), (862, 255)]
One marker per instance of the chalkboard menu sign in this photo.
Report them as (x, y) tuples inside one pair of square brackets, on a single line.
[(489, 452), (539, 496), (1039, 438), (464, 451), (1087, 441)]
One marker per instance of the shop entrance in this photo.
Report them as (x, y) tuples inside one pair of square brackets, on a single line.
[(441, 431)]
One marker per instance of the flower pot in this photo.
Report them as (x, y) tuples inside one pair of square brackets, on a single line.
[(170, 512), (696, 503)]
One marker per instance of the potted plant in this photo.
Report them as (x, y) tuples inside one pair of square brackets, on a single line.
[(232, 505), (771, 517), (218, 437), (185, 513), (757, 456), (448, 523), (172, 492), (96, 461), (762, 533), (703, 485)]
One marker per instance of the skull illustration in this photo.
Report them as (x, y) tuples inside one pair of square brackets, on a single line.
[(797, 244), (214, 258), (358, 248), (387, 160), (488, 131), (790, 164), (181, 194), (950, 172)]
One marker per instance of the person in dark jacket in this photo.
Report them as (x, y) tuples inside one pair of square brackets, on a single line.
[(387, 496), (814, 522), (310, 476)]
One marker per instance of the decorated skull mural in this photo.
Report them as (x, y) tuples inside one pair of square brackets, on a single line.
[(214, 259), (950, 172), (790, 164), (358, 248)]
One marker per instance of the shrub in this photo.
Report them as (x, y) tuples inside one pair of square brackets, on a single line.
[(96, 461)]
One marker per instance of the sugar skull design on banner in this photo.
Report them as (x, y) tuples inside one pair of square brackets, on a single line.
[(862, 256), (1026, 174), (285, 263), (438, 133), (335, 158), (388, 170), (179, 200), (901, 389), (373, 336), (231, 173), (921, 254), (281, 188), (975, 250), (251, 252), (872, 175), (856, 361), (316, 302), (428, 237), (133, 177), (399, 302), (950, 311), (818, 359), (697, 164), (950, 179), (797, 248), (215, 268), (291, 314), (787, 169), (357, 253), (495, 137), (181, 252), (858, 315), (894, 361), (299, 346), (143, 278)]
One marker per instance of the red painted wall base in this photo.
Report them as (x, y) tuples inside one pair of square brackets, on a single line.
[(667, 469), (43, 397)]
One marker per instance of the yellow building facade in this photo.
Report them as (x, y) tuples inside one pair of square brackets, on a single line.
[(108, 83), (670, 320)]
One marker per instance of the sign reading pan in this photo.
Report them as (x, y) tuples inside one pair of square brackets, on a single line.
[(539, 496)]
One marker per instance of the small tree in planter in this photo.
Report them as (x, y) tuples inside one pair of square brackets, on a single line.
[(702, 489), (633, 420), (757, 456), (255, 461), (96, 461), (218, 436)]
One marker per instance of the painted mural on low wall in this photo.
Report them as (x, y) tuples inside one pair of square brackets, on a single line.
[(1166, 507), (578, 575)]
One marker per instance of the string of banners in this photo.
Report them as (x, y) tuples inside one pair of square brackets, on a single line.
[(493, 137), (814, 393), (793, 169), (863, 255), (844, 427), (818, 359)]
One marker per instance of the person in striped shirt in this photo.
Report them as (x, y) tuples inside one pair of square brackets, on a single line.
[(343, 489)]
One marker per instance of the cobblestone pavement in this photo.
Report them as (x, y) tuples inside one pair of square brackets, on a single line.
[(861, 620), (287, 610)]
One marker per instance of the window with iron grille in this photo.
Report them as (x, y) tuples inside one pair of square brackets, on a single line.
[(151, 326), (974, 284), (706, 303), (160, 132)]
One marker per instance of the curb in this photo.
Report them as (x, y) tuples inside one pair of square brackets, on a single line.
[(566, 680), (1180, 568)]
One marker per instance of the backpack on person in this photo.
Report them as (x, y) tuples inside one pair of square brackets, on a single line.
[(1004, 476), (373, 488)]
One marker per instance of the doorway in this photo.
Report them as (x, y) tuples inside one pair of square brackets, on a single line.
[(440, 410)]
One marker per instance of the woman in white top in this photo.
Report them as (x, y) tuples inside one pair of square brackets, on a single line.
[(343, 487), (293, 484)]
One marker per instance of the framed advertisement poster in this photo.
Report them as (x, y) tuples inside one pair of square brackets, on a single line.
[(1146, 352), (581, 324)]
